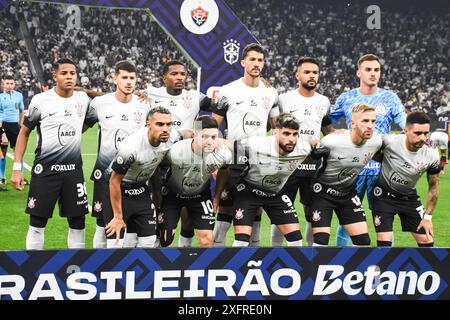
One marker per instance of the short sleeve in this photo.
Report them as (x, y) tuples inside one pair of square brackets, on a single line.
[(124, 159), (92, 114), (34, 113)]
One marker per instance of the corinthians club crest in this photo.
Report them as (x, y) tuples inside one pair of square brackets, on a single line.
[(199, 16), (231, 51)]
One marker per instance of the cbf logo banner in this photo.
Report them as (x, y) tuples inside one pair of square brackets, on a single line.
[(206, 30)]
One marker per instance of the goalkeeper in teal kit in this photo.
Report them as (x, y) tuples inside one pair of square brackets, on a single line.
[(388, 108)]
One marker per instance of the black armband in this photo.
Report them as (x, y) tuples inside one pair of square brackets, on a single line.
[(434, 170)]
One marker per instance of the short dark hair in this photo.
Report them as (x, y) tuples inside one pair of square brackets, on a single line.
[(8, 77), (205, 122), (162, 110), (368, 57), (418, 117), (287, 120), (171, 63), (303, 60), (124, 65), (252, 47), (63, 61)]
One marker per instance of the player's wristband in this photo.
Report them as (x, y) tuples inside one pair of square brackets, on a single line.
[(17, 166), (427, 216)]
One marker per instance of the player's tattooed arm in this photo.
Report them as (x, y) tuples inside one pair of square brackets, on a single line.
[(433, 192)]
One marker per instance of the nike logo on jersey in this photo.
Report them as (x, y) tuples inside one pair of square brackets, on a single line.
[(240, 102), (211, 222), (159, 101), (51, 114), (392, 157), (340, 158), (292, 111), (107, 117)]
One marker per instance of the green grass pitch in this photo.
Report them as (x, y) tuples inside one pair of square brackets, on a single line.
[(14, 222)]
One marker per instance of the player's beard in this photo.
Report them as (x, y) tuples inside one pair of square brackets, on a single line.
[(418, 144), (309, 87), (288, 148)]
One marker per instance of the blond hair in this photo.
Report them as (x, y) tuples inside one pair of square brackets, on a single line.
[(362, 107)]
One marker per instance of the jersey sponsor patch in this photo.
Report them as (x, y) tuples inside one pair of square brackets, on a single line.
[(118, 137), (397, 178), (66, 133), (317, 187), (97, 174), (271, 181), (250, 123), (377, 191), (38, 168)]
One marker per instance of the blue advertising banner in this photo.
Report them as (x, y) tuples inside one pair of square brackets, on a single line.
[(227, 274)]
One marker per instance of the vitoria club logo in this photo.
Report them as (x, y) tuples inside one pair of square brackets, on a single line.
[(199, 16)]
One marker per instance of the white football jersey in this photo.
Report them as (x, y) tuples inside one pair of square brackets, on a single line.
[(246, 109), (402, 169), (308, 110), (268, 170), (184, 107), (137, 159), (346, 159), (59, 123), (190, 172), (116, 120)]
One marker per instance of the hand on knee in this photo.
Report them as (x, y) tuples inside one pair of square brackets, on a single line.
[(205, 239)]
